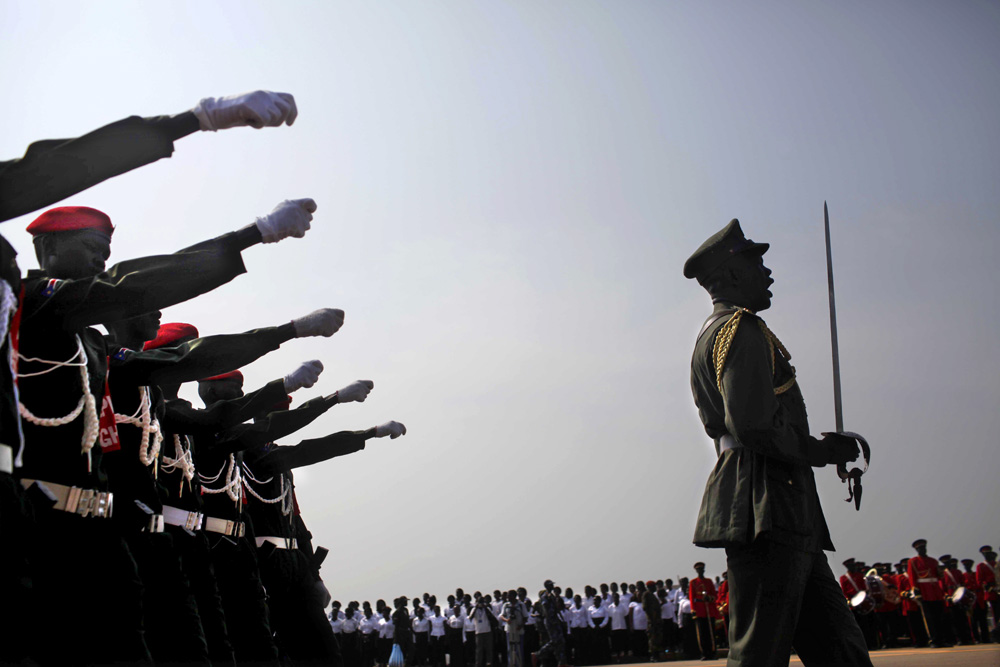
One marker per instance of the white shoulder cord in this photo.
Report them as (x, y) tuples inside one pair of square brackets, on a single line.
[(87, 404), (143, 419), (183, 462), (286, 507), (233, 481), (8, 308)]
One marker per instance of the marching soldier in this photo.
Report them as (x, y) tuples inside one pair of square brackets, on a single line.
[(922, 571), (701, 592), (912, 614), (69, 417), (296, 613), (760, 502), (952, 579), (988, 576), (852, 583), (980, 627)]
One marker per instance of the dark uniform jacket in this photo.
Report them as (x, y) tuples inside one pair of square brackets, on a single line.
[(55, 311), (765, 487), (54, 169), (131, 370)]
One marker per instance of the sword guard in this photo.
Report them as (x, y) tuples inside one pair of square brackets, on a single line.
[(853, 477)]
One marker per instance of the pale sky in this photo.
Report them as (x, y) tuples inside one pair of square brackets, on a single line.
[(507, 193)]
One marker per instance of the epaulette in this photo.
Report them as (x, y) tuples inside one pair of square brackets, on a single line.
[(724, 339)]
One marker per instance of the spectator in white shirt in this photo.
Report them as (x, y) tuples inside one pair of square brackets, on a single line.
[(618, 611), (350, 646), (368, 626), (514, 615), (438, 633), (639, 640), (421, 636), (386, 633), (579, 626), (600, 646), (482, 620)]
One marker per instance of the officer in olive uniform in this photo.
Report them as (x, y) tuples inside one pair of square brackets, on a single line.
[(760, 502)]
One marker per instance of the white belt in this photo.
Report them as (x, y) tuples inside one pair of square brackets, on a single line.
[(279, 542), (173, 516), (7, 459), (73, 499), (927, 580), (155, 524), (232, 528)]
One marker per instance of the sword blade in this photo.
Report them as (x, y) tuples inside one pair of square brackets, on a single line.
[(838, 406)]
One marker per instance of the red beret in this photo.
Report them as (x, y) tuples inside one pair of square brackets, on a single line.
[(232, 375), (170, 333), (71, 219)]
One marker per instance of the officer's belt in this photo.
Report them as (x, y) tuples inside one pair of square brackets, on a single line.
[(155, 524), (928, 580), (232, 528), (73, 499), (7, 459), (173, 516), (725, 443), (279, 542)]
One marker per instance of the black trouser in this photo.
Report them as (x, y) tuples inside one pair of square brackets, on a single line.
[(436, 651), (960, 621), (455, 649), (384, 650), (530, 639), (886, 627), (581, 650), (420, 648), (779, 598), (980, 628), (640, 643), (17, 534), (170, 614), (918, 627), (619, 642), (669, 626), (869, 628), (350, 648), (83, 572), (196, 563), (369, 648), (689, 637), (706, 636), (243, 599), (469, 647), (934, 615), (297, 616), (601, 645)]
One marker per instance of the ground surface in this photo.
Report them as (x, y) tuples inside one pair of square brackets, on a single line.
[(964, 656)]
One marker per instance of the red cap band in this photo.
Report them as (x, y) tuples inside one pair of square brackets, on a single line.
[(232, 375)]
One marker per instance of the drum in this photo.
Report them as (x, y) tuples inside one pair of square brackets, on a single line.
[(963, 597), (863, 603), (876, 588)]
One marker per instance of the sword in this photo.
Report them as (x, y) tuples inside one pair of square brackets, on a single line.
[(852, 478)]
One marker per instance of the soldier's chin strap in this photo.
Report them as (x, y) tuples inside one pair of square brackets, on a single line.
[(853, 477)]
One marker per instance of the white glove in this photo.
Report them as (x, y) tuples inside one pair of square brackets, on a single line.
[(356, 391), (323, 322), (391, 429), (289, 218), (258, 109), (303, 376)]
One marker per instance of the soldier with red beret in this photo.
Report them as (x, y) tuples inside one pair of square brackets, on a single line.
[(174, 631), (68, 416)]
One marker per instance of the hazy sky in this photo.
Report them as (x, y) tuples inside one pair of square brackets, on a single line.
[(507, 193)]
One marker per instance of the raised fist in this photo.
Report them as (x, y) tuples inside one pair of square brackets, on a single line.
[(258, 109)]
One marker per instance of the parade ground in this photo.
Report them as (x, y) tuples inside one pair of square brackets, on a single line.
[(964, 656)]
